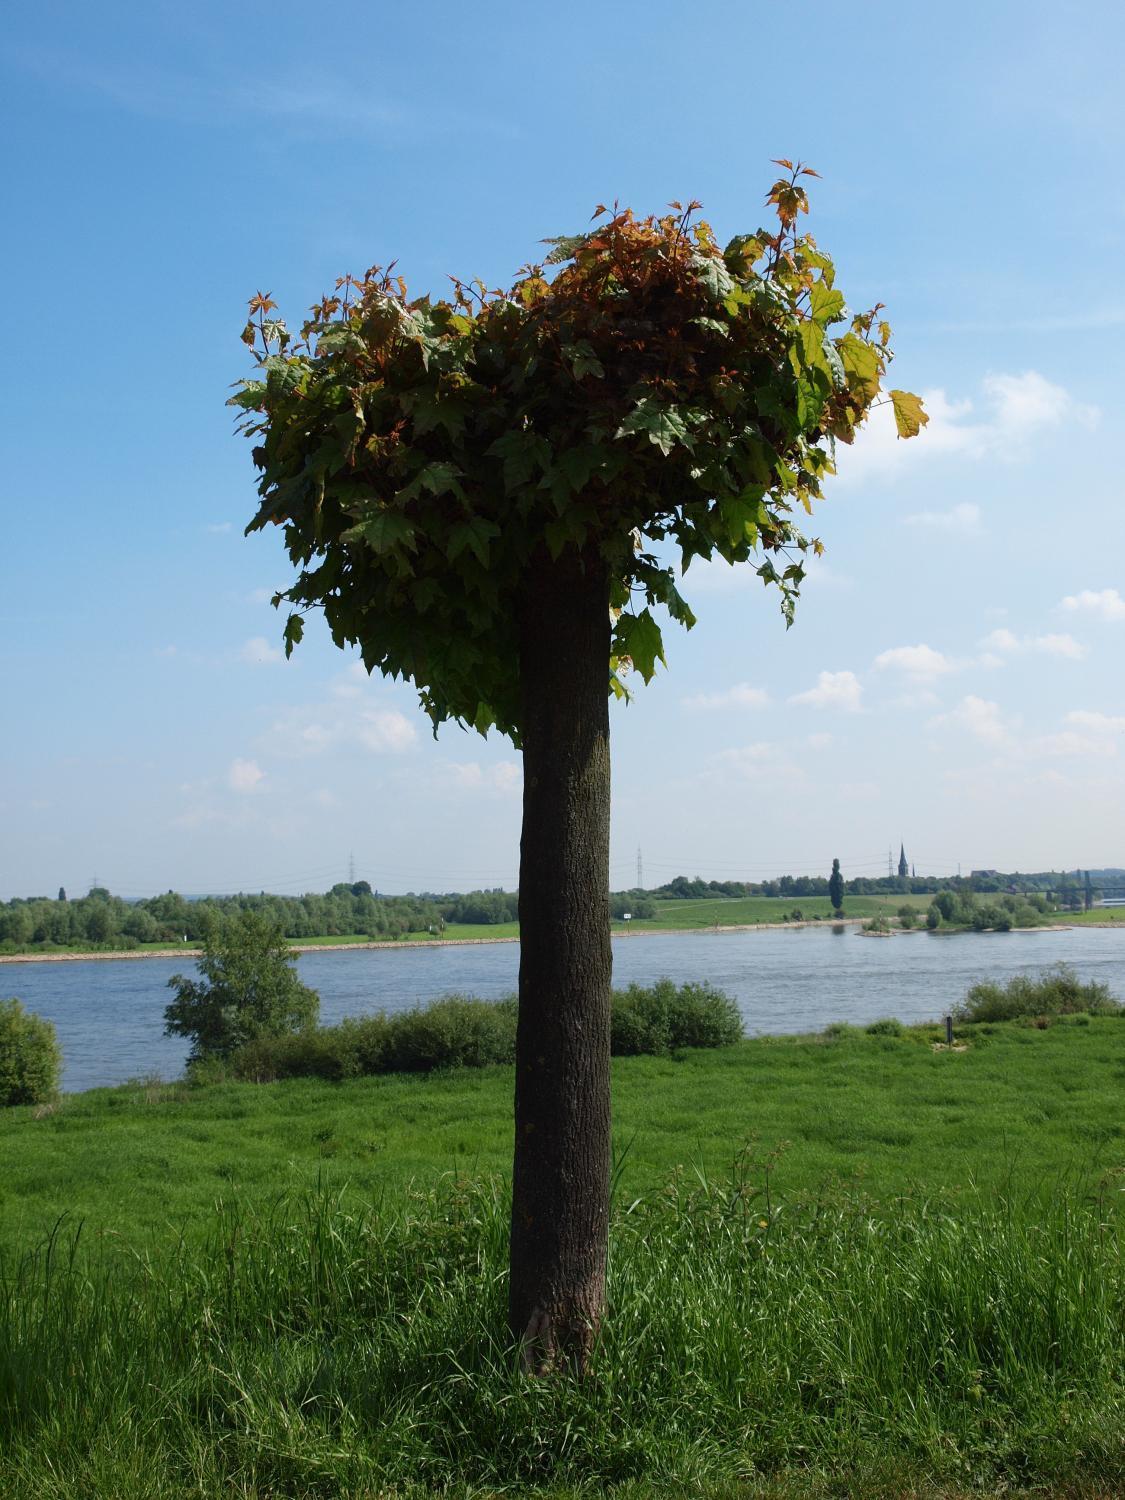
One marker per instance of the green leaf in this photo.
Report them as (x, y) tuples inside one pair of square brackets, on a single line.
[(663, 424), (250, 397), (437, 478), (811, 336), (563, 247), (583, 360), (810, 402), (712, 325), (909, 416), (524, 456), (294, 631), (570, 527), (827, 305), (638, 637), (475, 535), (714, 276), (384, 532)]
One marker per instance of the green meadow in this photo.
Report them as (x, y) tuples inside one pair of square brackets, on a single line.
[(850, 1264)]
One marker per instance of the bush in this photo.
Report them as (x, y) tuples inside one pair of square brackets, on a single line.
[(907, 917), (30, 1060), (887, 1026), (457, 1032), (663, 1018), (460, 1032), (877, 924), (933, 918), (1054, 992), (839, 1031)]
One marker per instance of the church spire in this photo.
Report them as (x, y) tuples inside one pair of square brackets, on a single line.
[(903, 867)]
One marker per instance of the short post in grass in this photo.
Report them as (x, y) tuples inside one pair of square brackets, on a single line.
[(949, 1031)]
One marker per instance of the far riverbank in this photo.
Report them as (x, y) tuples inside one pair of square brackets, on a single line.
[(618, 932)]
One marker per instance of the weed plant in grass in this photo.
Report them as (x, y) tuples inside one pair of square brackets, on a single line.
[(313, 1349)]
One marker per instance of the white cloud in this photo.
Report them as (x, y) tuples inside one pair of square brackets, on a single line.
[(978, 717), (244, 775), (919, 663), (1007, 643), (984, 721), (919, 698), (1066, 744), (352, 682), (961, 520), (219, 528), (259, 596), (1098, 722), (350, 717), (505, 778), (258, 652), (820, 741), (1059, 645), (1105, 604), (741, 695), (1001, 640), (1012, 411), (381, 729), (832, 690)]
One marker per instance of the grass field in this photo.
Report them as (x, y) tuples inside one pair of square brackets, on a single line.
[(150, 1160), (841, 1266)]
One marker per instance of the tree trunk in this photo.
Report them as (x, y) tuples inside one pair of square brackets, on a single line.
[(560, 1178)]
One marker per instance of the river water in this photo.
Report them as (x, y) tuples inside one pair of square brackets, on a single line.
[(109, 1015)]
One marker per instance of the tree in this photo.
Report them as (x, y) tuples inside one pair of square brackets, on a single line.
[(30, 1060), (250, 989), (836, 888), (481, 494), (62, 893)]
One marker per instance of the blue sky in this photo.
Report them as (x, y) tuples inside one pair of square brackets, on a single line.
[(953, 679)]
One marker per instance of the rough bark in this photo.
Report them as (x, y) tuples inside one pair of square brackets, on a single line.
[(561, 1170)]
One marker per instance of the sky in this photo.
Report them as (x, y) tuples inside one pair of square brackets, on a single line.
[(953, 680)]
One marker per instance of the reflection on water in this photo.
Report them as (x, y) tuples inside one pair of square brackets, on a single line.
[(110, 1015)]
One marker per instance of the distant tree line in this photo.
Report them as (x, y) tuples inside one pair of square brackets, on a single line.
[(101, 920), (1063, 888)]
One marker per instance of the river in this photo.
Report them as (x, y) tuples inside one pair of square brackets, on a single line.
[(109, 1015)]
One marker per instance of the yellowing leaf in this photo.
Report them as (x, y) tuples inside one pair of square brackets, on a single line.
[(909, 416)]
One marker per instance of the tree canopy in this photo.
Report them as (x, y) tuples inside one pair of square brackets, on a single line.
[(249, 988), (641, 386)]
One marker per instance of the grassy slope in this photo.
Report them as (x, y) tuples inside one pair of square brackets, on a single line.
[(892, 1113)]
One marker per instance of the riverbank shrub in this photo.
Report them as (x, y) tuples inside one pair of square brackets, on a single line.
[(249, 989), (30, 1059), (1054, 992), (462, 1032), (663, 1018)]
